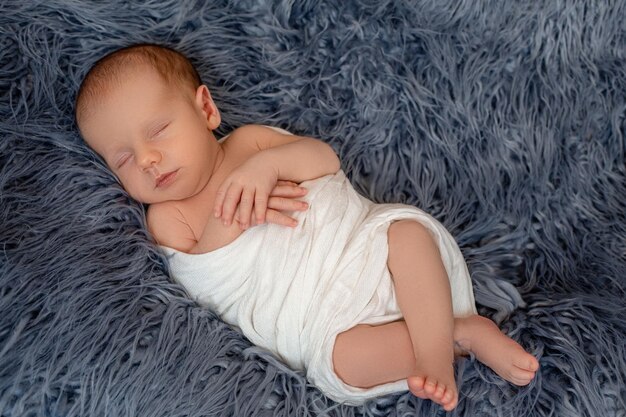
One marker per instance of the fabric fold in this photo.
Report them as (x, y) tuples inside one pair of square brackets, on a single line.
[(293, 290)]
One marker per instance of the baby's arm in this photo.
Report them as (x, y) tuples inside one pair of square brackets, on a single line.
[(168, 225), (276, 156), (296, 158)]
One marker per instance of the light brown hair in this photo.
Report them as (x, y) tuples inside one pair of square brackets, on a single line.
[(172, 66)]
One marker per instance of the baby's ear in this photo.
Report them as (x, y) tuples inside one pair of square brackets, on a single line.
[(205, 102)]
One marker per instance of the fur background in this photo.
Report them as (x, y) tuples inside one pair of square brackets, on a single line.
[(504, 119)]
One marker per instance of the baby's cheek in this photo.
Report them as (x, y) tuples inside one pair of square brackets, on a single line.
[(137, 193), (144, 197)]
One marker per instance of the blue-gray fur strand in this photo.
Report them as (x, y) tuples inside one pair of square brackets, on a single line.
[(504, 119)]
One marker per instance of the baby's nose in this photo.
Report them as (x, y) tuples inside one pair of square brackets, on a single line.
[(148, 158)]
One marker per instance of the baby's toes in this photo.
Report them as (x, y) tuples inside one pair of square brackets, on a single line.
[(430, 386), (449, 399), (450, 406), (532, 364), (439, 393), (421, 394), (521, 377), (448, 396), (526, 361), (416, 385)]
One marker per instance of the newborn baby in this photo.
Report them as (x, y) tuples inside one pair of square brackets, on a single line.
[(366, 298)]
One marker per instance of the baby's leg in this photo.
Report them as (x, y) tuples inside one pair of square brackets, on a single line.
[(504, 355), (421, 347), (424, 297), (369, 355), (366, 356)]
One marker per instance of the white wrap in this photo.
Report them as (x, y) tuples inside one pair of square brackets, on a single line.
[(292, 290)]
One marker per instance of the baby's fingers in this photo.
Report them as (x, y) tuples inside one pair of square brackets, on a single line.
[(285, 182), (260, 206), (245, 206), (276, 217), (218, 205), (286, 204), (288, 190), (251, 220), (272, 216), (226, 201)]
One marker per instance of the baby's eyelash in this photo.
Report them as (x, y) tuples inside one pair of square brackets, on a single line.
[(160, 129), (122, 161)]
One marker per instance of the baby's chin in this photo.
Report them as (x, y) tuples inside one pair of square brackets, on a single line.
[(150, 200), (150, 197), (175, 192), (157, 201), (162, 198)]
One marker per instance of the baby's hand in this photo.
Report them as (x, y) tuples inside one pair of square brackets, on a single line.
[(248, 187), (283, 198)]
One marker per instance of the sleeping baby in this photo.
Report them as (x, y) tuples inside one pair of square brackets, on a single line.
[(264, 228)]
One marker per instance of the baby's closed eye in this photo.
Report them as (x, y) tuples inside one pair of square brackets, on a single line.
[(122, 160), (159, 130)]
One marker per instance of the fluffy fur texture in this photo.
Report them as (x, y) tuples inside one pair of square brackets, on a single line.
[(503, 119)]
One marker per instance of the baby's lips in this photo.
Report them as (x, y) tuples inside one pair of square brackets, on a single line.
[(165, 179)]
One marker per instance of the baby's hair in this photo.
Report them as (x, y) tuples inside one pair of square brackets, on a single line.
[(171, 65)]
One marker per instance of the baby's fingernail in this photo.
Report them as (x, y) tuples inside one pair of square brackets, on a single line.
[(304, 204), (216, 213), (303, 189)]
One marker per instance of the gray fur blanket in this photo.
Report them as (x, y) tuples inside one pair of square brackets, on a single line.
[(506, 120)]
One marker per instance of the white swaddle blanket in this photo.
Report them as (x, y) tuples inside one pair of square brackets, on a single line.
[(292, 290)]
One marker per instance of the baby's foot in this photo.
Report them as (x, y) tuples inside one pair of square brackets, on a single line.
[(505, 356), (434, 380)]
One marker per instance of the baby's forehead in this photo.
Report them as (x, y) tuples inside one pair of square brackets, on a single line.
[(123, 76), (119, 79), (130, 105)]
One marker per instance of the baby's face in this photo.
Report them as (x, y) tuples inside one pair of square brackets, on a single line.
[(157, 139)]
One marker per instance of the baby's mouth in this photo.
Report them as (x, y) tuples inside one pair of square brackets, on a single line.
[(166, 179)]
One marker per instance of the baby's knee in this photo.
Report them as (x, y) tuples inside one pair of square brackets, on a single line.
[(348, 362), (407, 229)]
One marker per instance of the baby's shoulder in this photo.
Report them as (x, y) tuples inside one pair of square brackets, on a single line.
[(257, 137), (168, 226), (253, 130)]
